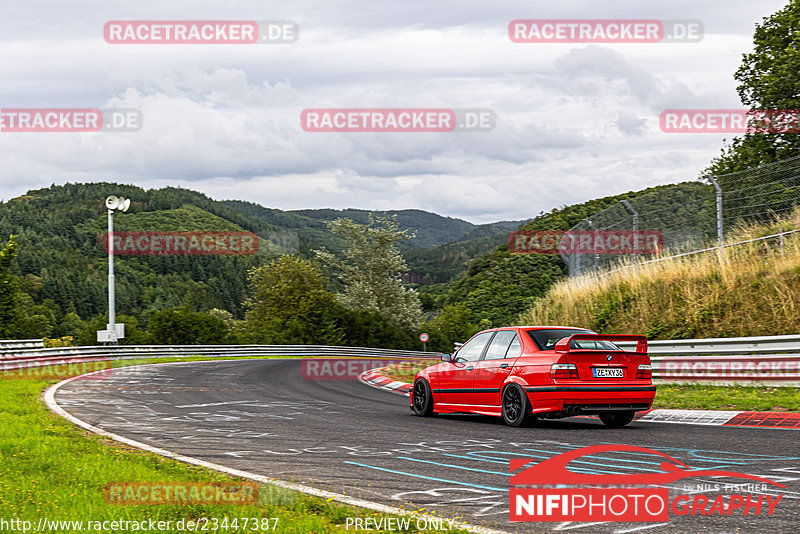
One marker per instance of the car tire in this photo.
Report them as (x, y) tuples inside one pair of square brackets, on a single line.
[(617, 419), (421, 399), (515, 406)]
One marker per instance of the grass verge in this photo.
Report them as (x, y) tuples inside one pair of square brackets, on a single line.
[(753, 291), (706, 397), (54, 470), (683, 396)]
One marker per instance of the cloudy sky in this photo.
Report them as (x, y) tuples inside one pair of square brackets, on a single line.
[(574, 121)]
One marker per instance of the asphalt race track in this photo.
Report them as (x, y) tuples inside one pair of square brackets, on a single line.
[(262, 416)]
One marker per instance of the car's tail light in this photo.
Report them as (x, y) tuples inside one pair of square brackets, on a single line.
[(563, 370), (644, 371)]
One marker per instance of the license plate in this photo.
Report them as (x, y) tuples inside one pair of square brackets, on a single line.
[(607, 372)]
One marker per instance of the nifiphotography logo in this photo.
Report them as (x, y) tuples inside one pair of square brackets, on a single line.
[(548, 491)]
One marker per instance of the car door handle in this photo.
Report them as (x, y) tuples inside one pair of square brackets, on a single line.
[(503, 365), (470, 368)]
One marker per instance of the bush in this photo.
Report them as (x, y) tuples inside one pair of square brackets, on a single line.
[(87, 335), (64, 341), (183, 326)]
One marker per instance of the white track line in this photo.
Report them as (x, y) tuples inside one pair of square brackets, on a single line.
[(50, 399)]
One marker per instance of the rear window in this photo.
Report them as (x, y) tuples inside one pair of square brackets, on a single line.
[(547, 339)]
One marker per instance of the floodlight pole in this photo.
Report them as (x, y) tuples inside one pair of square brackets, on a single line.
[(112, 319)]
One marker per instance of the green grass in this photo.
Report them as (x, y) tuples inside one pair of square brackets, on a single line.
[(406, 371), (50, 468), (707, 397), (753, 291), (685, 397)]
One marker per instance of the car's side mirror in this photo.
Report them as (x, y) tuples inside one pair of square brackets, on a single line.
[(447, 357)]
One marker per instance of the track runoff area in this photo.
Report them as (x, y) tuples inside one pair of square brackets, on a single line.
[(277, 419)]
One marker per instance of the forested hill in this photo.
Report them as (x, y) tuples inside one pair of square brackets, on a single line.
[(63, 267), (429, 229), (496, 286), (63, 270)]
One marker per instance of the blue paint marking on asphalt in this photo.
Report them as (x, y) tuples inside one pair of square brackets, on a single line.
[(720, 466), (475, 455), (735, 457), (446, 481), (454, 466), (593, 464), (505, 461), (611, 460), (662, 449), (727, 463), (501, 457)]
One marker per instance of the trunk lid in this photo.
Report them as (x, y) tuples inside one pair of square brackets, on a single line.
[(597, 360)]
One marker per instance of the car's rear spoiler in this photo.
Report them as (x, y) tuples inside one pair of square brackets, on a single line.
[(563, 344)]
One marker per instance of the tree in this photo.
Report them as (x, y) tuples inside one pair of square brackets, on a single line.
[(370, 269), (71, 325), (450, 326), (290, 304), (183, 326), (9, 287), (364, 328), (769, 79), (87, 335), (31, 320)]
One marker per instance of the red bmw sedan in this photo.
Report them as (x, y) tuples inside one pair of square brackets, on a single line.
[(522, 373)]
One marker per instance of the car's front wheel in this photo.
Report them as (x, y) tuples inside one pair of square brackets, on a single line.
[(617, 419), (421, 399), (516, 406)]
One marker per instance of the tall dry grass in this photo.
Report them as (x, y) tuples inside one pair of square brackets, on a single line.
[(754, 290)]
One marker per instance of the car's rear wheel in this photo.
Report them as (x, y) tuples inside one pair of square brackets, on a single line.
[(421, 399), (617, 419), (516, 406)]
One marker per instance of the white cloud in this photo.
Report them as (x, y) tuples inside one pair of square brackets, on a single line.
[(573, 121)]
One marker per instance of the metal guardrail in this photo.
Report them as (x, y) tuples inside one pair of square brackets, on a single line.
[(15, 359), (767, 359), (10, 344), (764, 359)]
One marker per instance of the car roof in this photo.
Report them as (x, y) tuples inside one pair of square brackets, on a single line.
[(499, 328), (553, 328)]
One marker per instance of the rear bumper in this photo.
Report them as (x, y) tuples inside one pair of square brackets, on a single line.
[(591, 399)]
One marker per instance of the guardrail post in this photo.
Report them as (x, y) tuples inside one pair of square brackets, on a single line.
[(720, 239), (596, 255), (635, 229)]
